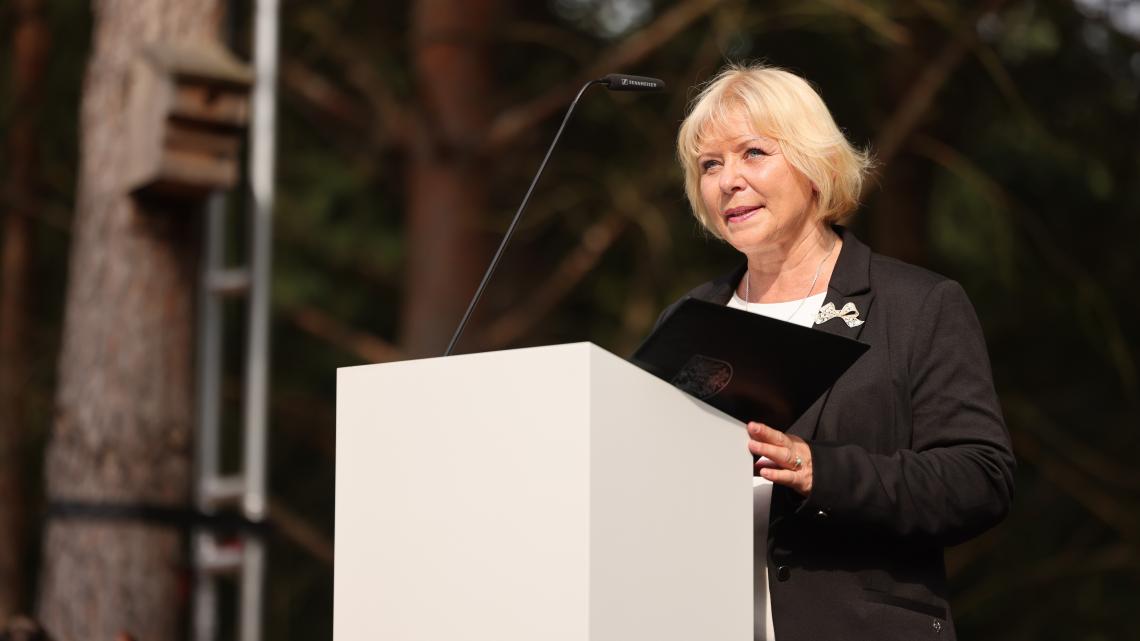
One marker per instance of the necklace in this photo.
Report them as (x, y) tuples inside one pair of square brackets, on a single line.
[(803, 299)]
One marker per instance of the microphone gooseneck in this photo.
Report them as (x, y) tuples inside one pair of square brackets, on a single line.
[(613, 82)]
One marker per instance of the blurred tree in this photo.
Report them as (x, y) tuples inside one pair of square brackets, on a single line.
[(30, 40), (447, 190), (122, 429)]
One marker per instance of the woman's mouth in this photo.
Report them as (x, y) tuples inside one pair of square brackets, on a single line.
[(740, 214)]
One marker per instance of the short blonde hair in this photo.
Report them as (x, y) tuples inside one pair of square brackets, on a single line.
[(784, 107)]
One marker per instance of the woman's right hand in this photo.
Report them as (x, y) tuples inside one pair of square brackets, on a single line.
[(785, 458)]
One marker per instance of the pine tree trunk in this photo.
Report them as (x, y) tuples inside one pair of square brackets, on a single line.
[(898, 225), (447, 174), (29, 54), (122, 430)]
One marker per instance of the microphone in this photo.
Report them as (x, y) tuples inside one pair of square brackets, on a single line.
[(613, 82), (625, 82)]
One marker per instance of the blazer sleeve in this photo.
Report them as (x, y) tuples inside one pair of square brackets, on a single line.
[(956, 479)]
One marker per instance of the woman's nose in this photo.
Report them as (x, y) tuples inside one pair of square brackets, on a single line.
[(730, 179)]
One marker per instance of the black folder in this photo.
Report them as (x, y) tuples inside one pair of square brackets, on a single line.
[(751, 367)]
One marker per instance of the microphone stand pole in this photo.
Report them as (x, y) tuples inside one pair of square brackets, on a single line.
[(515, 221)]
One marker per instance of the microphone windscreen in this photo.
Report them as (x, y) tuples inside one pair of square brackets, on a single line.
[(626, 82)]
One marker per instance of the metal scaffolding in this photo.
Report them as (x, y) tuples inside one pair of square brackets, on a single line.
[(243, 557)]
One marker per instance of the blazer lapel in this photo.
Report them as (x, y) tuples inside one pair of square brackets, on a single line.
[(720, 290), (850, 284)]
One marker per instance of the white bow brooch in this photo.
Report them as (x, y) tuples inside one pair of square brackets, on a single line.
[(849, 314)]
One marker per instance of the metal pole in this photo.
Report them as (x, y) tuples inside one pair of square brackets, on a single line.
[(252, 588), (261, 172), (515, 221), (209, 411), (262, 148), (261, 182)]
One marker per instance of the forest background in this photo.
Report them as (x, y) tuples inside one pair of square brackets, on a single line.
[(1007, 136)]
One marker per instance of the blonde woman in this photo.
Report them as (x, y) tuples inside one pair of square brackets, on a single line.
[(908, 451)]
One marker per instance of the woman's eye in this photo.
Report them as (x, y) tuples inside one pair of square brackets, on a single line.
[(708, 165), (754, 152)]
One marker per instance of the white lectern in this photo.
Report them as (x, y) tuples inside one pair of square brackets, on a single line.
[(545, 494)]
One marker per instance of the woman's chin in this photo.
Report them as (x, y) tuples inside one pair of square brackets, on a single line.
[(748, 237)]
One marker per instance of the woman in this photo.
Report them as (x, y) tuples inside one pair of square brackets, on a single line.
[(908, 452)]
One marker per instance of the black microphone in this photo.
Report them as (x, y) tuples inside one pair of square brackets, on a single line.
[(625, 82), (613, 82)]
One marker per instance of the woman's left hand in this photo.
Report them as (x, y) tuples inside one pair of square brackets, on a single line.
[(786, 458)]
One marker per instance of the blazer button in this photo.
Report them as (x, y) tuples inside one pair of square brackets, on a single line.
[(783, 573), (821, 514), (937, 625)]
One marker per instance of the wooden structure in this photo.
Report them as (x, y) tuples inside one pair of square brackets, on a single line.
[(188, 111)]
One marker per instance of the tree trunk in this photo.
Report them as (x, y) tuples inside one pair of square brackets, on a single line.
[(900, 212), (447, 175), (29, 53), (898, 225), (122, 430)]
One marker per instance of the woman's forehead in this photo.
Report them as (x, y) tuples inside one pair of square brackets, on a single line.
[(716, 135)]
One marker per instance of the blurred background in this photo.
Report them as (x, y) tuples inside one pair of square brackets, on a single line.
[(1007, 135)]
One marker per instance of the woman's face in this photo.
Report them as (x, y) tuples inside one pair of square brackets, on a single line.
[(756, 200)]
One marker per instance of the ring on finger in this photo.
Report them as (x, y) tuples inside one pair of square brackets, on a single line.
[(799, 462)]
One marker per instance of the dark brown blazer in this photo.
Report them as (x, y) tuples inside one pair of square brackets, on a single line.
[(910, 454)]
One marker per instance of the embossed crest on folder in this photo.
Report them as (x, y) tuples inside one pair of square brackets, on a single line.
[(703, 376)]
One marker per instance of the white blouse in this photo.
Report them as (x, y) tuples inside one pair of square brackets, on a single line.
[(800, 312)]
